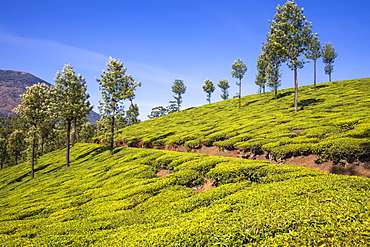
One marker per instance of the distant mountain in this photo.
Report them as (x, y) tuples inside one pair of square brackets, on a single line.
[(13, 84)]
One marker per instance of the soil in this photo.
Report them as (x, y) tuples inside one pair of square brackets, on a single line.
[(163, 173), (206, 186), (311, 161)]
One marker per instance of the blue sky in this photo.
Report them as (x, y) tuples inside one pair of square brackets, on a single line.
[(162, 40)]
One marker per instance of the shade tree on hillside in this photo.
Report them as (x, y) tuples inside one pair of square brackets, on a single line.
[(328, 57), (238, 70), (314, 52), (87, 132), (208, 88), (261, 77), (178, 88), (274, 59), (132, 114), (13, 131), (292, 32), (157, 111), (71, 102), (15, 145), (34, 109), (116, 86), (160, 111), (224, 86)]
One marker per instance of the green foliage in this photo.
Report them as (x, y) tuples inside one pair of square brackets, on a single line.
[(116, 86), (238, 70), (335, 110), (291, 33), (208, 88), (261, 72), (132, 114), (224, 85), (178, 88), (314, 52), (157, 111), (231, 172), (71, 102), (328, 57), (104, 200), (35, 109)]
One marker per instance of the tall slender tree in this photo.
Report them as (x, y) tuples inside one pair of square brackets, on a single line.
[(115, 87), (224, 85), (328, 57), (208, 88), (71, 101), (132, 114), (274, 59), (238, 70), (261, 77), (293, 32), (34, 109), (178, 88), (314, 52)]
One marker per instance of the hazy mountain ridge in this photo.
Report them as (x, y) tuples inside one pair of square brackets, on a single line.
[(13, 84)]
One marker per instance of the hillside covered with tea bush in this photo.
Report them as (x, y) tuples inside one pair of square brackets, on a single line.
[(332, 122), (103, 200)]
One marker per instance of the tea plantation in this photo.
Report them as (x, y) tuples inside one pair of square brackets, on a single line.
[(103, 200), (333, 122)]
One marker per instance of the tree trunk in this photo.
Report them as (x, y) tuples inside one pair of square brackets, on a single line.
[(33, 155), (68, 141), (240, 91), (314, 74), (178, 102), (112, 136), (295, 90), (330, 77), (74, 131), (275, 90)]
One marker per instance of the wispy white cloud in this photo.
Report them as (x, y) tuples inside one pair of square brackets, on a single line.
[(56, 51)]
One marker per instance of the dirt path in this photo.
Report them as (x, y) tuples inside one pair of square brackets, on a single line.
[(311, 161), (206, 186)]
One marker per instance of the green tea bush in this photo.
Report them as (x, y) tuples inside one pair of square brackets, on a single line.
[(231, 172), (347, 148), (201, 165), (345, 125), (189, 178)]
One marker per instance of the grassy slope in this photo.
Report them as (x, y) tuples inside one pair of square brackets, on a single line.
[(118, 201), (334, 119)]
